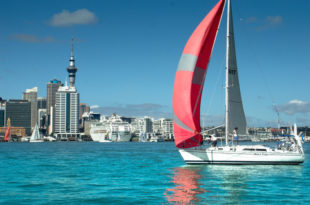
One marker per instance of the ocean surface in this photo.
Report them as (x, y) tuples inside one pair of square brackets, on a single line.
[(139, 173)]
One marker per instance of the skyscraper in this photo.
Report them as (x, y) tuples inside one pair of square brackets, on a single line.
[(67, 106), (52, 88), (31, 95), (19, 111), (67, 112)]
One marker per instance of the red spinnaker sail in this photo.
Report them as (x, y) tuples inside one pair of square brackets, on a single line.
[(7, 134), (190, 77)]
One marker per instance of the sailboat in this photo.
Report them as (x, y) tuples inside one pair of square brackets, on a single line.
[(142, 137), (187, 91), (36, 137), (7, 135)]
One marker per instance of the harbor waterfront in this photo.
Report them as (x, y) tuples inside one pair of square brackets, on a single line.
[(139, 173)]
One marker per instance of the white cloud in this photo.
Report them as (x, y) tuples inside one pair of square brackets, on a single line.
[(295, 106), (94, 106), (67, 18)]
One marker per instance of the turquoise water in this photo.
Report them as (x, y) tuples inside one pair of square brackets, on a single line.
[(139, 173)]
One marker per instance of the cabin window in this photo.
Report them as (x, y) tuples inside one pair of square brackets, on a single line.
[(262, 150), (249, 149)]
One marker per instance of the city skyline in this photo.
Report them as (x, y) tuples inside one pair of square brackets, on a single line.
[(127, 54)]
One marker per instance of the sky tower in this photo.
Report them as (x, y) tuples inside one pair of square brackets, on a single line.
[(72, 69)]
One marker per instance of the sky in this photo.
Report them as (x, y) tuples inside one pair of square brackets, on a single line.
[(127, 53)]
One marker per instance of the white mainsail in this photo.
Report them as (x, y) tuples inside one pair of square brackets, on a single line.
[(35, 137), (235, 117)]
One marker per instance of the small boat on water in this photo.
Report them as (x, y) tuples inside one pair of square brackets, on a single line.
[(36, 137), (142, 137), (49, 139), (188, 86)]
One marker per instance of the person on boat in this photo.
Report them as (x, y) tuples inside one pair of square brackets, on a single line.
[(213, 140), (235, 135)]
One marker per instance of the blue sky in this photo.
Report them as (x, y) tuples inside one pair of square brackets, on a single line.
[(127, 53)]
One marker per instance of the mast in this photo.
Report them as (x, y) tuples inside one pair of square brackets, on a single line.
[(227, 70)]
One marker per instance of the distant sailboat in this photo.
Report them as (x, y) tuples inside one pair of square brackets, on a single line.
[(36, 137), (189, 81), (142, 137), (7, 135)]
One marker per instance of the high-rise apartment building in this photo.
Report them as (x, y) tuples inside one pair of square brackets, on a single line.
[(147, 125), (67, 113), (19, 111), (31, 95)]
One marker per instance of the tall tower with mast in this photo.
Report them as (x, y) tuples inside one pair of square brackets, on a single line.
[(67, 106), (72, 69)]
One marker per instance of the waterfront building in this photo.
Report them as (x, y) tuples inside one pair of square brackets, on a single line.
[(2, 111), (157, 128), (137, 125), (31, 95), (67, 106), (17, 132), (82, 109), (89, 117), (42, 101), (42, 118), (167, 127), (19, 111), (147, 125), (67, 113)]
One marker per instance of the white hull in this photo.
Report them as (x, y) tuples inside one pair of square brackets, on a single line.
[(157, 139), (99, 133), (120, 136), (99, 137), (36, 140), (239, 155), (49, 139)]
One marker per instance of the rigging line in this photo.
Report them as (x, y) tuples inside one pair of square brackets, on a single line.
[(219, 77), (217, 81)]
